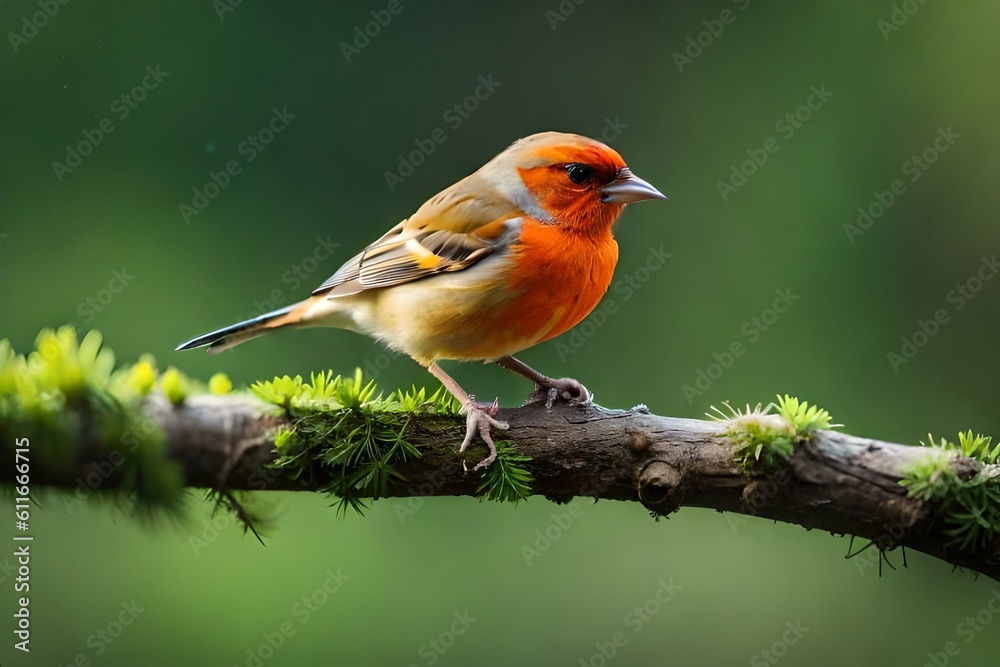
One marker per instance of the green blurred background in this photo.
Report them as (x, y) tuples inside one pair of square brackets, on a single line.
[(62, 238)]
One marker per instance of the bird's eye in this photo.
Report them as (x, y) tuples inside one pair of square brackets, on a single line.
[(579, 173)]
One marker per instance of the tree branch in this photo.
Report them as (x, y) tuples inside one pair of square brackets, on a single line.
[(833, 482)]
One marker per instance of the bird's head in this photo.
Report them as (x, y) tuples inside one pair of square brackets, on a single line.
[(569, 180)]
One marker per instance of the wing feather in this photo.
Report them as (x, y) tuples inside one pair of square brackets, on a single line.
[(451, 232)]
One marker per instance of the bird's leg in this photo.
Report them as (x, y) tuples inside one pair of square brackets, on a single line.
[(548, 388), (478, 417)]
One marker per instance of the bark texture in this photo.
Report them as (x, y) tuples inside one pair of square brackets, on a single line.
[(835, 482)]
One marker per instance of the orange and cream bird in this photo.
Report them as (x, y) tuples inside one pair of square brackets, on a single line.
[(506, 258)]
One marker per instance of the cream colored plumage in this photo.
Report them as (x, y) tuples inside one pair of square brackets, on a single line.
[(512, 255)]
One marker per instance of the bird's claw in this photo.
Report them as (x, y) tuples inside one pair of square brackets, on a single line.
[(572, 391), (479, 419)]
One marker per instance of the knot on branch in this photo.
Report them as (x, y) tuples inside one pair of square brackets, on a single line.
[(661, 487)]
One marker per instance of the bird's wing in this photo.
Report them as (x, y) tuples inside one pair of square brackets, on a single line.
[(450, 232)]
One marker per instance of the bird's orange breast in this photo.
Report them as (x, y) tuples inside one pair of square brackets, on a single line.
[(560, 277), (546, 281)]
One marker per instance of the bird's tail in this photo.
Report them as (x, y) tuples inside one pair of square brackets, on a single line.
[(233, 335)]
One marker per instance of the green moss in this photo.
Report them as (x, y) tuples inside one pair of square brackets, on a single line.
[(84, 421), (348, 439), (506, 479), (220, 384), (803, 417), (763, 439), (970, 506), (141, 378), (85, 418), (174, 386)]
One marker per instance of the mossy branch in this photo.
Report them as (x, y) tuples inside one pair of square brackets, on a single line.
[(143, 436)]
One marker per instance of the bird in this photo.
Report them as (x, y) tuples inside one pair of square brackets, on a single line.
[(510, 256)]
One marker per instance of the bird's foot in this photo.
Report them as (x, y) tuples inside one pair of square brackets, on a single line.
[(568, 389), (479, 419)]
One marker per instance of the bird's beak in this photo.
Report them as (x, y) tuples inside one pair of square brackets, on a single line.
[(628, 188)]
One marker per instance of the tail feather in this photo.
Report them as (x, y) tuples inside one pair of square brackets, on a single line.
[(233, 335)]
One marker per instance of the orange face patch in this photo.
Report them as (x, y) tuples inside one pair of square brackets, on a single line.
[(596, 156), (574, 205)]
